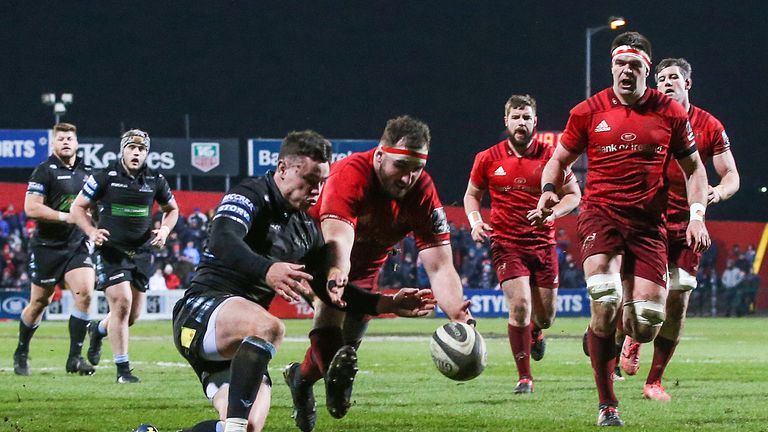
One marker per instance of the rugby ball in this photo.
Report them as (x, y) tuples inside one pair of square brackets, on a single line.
[(146, 427), (458, 351)]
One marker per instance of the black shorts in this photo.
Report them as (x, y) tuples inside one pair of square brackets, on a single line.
[(190, 321), (114, 266), (49, 264)]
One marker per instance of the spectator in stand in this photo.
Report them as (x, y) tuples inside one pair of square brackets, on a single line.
[(735, 252), (172, 280), (13, 220), (157, 281), (731, 280), (191, 253), (200, 218), (709, 257), (194, 234), (571, 274), (5, 229), (750, 255)]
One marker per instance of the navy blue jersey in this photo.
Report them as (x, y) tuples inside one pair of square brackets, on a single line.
[(59, 185), (125, 203)]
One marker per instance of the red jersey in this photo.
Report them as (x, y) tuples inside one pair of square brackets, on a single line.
[(711, 140), (628, 149), (514, 184), (353, 195)]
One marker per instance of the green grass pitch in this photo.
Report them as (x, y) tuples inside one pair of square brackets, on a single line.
[(718, 381)]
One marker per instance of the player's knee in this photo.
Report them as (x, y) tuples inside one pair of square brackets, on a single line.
[(648, 315), (519, 313), (681, 280), (121, 307), (605, 288), (274, 330), (83, 299)]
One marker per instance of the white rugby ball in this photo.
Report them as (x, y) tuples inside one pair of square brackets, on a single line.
[(458, 351)]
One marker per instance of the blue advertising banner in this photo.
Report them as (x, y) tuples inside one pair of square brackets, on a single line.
[(12, 303), (262, 153), (23, 148), (491, 303)]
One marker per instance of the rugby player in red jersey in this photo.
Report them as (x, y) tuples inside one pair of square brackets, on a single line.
[(370, 202), (673, 78), (522, 241), (630, 132)]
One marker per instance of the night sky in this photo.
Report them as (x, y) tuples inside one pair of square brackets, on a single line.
[(261, 68)]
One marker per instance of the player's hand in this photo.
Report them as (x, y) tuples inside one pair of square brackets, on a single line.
[(337, 280), (409, 302), (98, 236), (462, 314), (541, 217), (713, 195), (697, 236), (481, 232), (161, 235), (289, 281), (547, 200)]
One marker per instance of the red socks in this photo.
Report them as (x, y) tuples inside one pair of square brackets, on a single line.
[(601, 353), (663, 349), (520, 341), (323, 344)]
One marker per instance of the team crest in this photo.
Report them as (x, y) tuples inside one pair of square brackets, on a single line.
[(205, 155)]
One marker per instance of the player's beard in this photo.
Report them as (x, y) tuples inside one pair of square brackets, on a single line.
[(520, 143)]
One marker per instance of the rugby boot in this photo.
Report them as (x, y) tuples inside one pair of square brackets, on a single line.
[(655, 391), (630, 356), (616, 375), (78, 365), (127, 378), (609, 416), (304, 406), (94, 347), (525, 385), (338, 381), (538, 345), (21, 363)]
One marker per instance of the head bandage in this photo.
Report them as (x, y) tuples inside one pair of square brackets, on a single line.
[(633, 52), (134, 136), (405, 154)]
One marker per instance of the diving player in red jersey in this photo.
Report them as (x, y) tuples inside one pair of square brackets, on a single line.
[(522, 241), (629, 132), (673, 78), (369, 203)]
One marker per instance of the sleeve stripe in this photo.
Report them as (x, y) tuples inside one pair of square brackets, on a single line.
[(236, 219)]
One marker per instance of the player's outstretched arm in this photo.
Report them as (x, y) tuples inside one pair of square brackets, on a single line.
[(725, 166), (446, 284), (472, 199), (553, 176), (339, 237), (696, 188), (408, 302)]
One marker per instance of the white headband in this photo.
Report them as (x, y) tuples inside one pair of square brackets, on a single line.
[(632, 52)]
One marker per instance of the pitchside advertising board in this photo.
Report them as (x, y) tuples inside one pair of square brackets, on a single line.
[(23, 148), (262, 152), (492, 303), (203, 157)]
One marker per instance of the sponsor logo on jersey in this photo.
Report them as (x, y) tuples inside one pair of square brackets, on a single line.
[(64, 177), (118, 185), (629, 137), (500, 171), (238, 211), (726, 140), (602, 127), (117, 276), (35, 187), (440, 222), (237, 199)]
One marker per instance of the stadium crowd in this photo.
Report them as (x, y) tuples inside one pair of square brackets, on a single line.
[(734, 289)]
